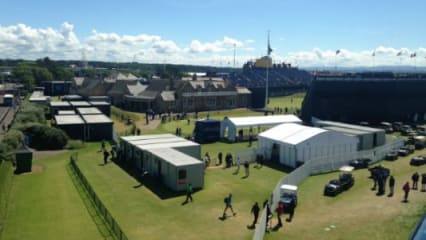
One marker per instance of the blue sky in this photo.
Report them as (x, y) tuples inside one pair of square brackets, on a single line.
[(306, 33)]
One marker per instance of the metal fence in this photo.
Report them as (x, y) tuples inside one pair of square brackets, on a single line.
[(116, 229), (322, 165)]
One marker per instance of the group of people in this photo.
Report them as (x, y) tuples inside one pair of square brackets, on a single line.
[(107, 153), (246, 166), (415, 180)]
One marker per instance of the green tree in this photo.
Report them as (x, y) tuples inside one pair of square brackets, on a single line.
[(24, 74)]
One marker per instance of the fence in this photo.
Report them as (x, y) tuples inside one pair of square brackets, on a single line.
[(116, 229), (322, 165)]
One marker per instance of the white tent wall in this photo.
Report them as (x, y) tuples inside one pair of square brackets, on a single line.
[(327, 144)]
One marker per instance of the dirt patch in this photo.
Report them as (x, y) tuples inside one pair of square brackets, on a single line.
[(34, 170)]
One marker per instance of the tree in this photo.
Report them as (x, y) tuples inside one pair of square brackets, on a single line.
[(23, 73)]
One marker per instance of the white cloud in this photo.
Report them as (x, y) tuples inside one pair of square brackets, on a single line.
[(22, 41)]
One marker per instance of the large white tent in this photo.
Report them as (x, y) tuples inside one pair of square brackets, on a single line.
[(293, 144), (229, 125)]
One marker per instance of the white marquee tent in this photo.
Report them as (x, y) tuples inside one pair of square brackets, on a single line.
[(229, 126), (293, 144)]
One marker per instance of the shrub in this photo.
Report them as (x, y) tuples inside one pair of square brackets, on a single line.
[(13, 139), (75, 144), (43, 137)]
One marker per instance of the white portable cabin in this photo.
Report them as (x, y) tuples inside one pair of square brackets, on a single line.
[(176, 169), (126, 146), (293, 144), (140, 160), (229, 125)]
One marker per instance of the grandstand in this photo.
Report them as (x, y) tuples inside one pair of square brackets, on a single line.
[(283, 78), (371, 96)]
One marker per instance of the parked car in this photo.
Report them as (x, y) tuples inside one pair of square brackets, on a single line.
[(418, 160), (337, 186), (288, 196), (360, 163), (392, 156), (403, 152)]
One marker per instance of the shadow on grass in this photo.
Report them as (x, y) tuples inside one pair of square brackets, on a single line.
[(276, 166), (152, 183)]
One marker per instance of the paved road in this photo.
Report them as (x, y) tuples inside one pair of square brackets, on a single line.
[(7, 120)]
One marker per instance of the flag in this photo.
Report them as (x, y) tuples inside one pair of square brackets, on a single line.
[(399, 54), (338, 51), (269, 49), (413, 55)]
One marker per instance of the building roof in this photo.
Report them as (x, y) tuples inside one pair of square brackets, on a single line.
[(349, 131), (96, 118), (60, 104), (68, 120), (168, 95), (66, 112), (99, 103), (168, 145), (88, 110), (150, 136), (8, 96), (263, 120), (72, 97), (346, 125), (136, 89), (174, 157), (291, 133), (78, 81), (157, 141), (80, 104)]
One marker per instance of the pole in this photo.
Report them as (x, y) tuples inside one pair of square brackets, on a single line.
[(234, 54)]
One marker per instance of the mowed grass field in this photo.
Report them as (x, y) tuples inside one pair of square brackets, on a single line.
[(46, 205), (144, 214), (357, 213)]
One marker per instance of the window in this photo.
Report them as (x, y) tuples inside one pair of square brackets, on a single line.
[(182, 174)]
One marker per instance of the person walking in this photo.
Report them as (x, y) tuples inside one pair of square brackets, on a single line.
[(228, 205), (255, 210), (189, 193), (391, 185), (280, 211), (268, 215), (406, 189), (219, 157), (424, 182), (238, 163), (415, 178), (246, 168), (291, 207), (106, 155)]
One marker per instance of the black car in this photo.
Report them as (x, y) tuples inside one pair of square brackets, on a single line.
[(392, 156), (418, 161), (360, 163), (337, 186)]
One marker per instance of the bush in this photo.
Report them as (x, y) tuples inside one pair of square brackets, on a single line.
[(75, 144), (6, 153), (43, 137), (14, 139), (30, 113)]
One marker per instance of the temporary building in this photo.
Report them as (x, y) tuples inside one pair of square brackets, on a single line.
[(66, 112), (365, 139), (378, 135), (72, 125), (89, 110), (37, 97), (163, 155), (99, 99), (56, 88), (8, 100), (72, 97), (230, 125), (175, 169), (55, 107), (207, 131), (98, 127), (103, 106), (293, 144), (127, 146), (79, 104)]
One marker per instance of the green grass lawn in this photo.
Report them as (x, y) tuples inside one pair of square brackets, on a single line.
[(292, 102), (144, 215), (46, 205), (357, 213)]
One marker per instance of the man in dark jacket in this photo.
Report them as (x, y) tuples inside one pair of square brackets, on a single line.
[(415, 178), (391, 185), (255, 210)]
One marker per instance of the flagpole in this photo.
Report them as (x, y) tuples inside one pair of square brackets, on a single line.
[(267, 74)]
